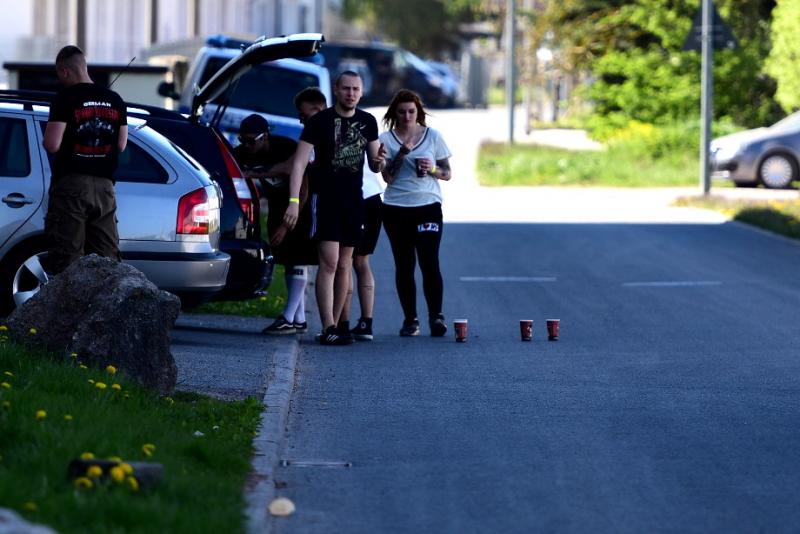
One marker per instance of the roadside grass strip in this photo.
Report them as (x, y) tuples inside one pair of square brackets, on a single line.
[(270, 305), (54, 410), (536, 165), (778, 216)]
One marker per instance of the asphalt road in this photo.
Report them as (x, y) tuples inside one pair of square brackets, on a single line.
[(670, 404)]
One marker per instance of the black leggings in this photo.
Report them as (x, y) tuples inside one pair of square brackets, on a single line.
[(416, 232)]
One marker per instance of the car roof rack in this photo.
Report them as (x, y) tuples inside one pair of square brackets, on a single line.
[(30, 98)]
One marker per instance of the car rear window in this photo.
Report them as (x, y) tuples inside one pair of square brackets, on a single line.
[(279, 83), (14, 156), (136, 165)]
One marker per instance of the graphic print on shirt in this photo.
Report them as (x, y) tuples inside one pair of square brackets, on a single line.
[(349, 148), (95, 136)]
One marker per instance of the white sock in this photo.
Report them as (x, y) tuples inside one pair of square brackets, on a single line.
[(296, 277)]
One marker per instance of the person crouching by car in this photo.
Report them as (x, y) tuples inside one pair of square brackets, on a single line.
[(267, 158)]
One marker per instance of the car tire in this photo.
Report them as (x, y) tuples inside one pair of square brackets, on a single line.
[(15, 274), (777, 171)]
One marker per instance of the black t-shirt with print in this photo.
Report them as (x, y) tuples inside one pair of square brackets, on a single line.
[(93, 115), (339, 147)]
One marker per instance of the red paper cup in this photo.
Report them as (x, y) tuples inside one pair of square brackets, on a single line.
[(420, 172), (526, 329), (460, 327), (552, 329)]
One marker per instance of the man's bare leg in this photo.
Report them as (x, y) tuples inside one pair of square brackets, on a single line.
[(326, 274), (366, 285), (342, 280)]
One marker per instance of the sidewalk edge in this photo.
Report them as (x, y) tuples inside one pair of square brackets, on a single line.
[(267, 443)]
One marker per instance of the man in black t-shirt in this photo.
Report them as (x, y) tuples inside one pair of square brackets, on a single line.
[(267, 158), (339, 137), (86, 130)]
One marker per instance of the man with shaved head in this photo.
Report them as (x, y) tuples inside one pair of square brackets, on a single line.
[(86, 130)]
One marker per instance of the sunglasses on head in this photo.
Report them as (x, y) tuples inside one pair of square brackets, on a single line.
[(251, 140)]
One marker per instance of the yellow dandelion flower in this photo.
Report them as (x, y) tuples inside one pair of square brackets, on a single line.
[(82, 366), (100, 385), (5, 385), (169, 400), (41, 414), (91, 381), (6, 404), (94, 471), (132, 483), (3, 328), (8, 373), (126, 468), (83, 483), (33, 331), (148, 449), (117, 474), (74, 355), (87, 456), (68, 417), (116, 387), (114, 459), (30, 507), (111, 369)]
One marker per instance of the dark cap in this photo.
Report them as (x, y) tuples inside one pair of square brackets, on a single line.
[(254, 124)]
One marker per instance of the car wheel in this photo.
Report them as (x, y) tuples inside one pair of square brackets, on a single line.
[(778, 171), (28, 279)]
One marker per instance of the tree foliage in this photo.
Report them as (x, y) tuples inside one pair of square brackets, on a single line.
[(429, 27), (633, 50), (783, 63)]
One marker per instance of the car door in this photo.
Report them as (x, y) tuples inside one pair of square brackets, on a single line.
[(22, 180)]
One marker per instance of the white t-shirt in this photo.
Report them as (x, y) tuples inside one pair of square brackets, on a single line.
[(372, 184), (407, 190)]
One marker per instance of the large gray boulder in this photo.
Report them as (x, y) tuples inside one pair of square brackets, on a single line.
[(12, 523), (107, 313)]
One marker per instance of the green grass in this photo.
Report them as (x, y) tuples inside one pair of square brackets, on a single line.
[(779, 216), (270, 305), (530, 165), (204, 476)]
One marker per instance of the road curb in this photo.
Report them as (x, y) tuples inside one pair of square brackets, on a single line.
[(260, 490)]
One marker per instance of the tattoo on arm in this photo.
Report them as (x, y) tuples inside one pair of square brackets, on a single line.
[(443, 165)]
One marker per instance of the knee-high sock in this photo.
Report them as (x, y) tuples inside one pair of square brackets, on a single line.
[(296, 279)]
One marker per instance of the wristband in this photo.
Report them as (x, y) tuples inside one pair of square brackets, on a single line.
[(433, 169), (294, 200)]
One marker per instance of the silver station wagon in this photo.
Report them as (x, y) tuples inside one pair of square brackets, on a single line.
[(167, 206)]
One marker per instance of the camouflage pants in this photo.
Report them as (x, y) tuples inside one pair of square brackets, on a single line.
[(81, 219)]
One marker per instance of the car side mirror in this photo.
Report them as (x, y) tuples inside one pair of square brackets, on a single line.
[(167, 89)]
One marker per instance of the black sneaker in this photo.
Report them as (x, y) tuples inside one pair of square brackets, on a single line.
[(410, 328), (300, 328), (438, 326), (279, 327), (331, 336), (362, 331)]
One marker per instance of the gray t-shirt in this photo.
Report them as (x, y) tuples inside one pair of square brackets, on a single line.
[(407, 190)]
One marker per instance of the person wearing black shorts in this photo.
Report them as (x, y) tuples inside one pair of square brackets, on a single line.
[(340, 137), (267, 158), (372, 219)]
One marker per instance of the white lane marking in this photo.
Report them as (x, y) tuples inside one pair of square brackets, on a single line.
[(672, 284), (508, 278)]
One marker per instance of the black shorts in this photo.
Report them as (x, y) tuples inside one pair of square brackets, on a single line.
[(336, 218), (371, 217)]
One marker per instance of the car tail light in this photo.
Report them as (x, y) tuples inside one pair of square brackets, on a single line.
[(240, 185), (193, 213)]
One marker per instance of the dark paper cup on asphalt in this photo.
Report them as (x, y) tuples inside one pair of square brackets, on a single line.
[(526, 329), (420, 172), (460, 327), (552, 329)]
